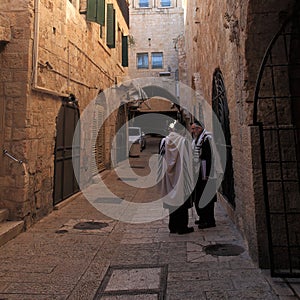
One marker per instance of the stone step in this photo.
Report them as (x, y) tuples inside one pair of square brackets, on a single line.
[(3, 214), (9, 230)]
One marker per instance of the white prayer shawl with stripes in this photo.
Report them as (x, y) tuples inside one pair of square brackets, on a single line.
[(175, 170), (217, 169)]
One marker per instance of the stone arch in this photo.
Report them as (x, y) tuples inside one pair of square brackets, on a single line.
[(156, 91), (263, 22)]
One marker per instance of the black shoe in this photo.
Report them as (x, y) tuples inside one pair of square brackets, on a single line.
[(206, 225), (186, 230)]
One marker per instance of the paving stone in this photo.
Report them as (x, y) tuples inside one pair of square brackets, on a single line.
[(17, 296), (131, 297), (296, 288), (3, 285), (42, 264), (187, 295), (195, 275), (248, 293), (282, 289), (39, 288), (134, 279)]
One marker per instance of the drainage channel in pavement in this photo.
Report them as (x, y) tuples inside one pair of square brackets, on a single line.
[(88, 226), (223, 250)]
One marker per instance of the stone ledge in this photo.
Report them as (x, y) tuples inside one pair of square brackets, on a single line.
[(3, 214), (66, 201), (9, 230)]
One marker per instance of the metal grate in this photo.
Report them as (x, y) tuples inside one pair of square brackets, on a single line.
[(276, 112), (220, 107)]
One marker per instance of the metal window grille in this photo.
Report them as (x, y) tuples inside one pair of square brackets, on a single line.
[(276, 113)]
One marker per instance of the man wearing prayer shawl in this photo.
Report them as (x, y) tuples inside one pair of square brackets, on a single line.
[(204, 156), (176, 183)]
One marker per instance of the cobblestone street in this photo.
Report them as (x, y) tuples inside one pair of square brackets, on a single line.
[(78, 253)]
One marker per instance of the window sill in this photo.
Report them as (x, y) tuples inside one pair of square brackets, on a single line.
[(104, 46)]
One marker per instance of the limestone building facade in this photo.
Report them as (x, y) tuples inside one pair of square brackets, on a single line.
[(155, 27), (56, 57), (242, 57)]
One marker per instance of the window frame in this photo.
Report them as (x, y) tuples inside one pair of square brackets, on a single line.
[(165, 6), (143, 67), (139, 3), (162, 60)]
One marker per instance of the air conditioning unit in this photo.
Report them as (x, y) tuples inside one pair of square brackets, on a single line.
[(161, 74)]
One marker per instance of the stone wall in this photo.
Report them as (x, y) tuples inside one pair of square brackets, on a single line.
[(43, 62), (232, 36)]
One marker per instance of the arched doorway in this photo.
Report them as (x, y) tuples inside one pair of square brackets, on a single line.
[(66, 153), (220, 108), (276, 113)]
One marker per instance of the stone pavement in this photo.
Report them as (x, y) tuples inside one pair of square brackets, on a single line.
[(79, 253)]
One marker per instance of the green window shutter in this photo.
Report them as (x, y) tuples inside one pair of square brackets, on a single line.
[(96, 11), (111, 26), (124, 51), (91, 10), (101, 12)]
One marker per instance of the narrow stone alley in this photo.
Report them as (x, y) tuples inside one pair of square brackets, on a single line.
[(79, 253)]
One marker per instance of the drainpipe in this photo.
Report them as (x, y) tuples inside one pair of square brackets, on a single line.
[(36, 54)]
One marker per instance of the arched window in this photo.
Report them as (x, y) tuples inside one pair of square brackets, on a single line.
[(220, 108)]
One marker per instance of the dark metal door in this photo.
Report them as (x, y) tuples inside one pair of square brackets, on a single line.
[(65, 183), (121, 142), (220, 108), (276, 112)]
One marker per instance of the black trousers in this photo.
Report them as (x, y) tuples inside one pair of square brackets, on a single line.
[(178, 218), (207, 213)]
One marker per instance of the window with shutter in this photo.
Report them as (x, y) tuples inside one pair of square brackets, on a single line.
[(124, 51), (111, 26), (97, 163), (96, 11), (101, 12)]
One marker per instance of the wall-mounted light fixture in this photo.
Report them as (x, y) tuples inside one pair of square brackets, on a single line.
[(71, 99), (149, 41)]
